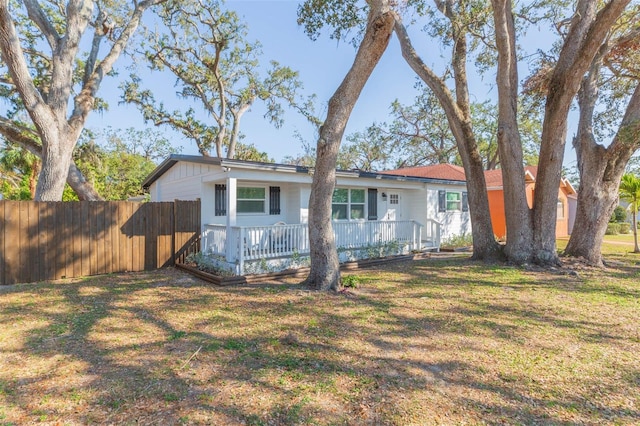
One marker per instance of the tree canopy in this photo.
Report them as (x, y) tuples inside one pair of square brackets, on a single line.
[(52, 76), (206, 48)]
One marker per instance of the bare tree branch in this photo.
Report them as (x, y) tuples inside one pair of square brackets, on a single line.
[(39, 18)]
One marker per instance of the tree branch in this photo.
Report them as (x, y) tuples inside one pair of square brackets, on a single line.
[(435, 83), (85, 99), (13, 57), (37, 15)]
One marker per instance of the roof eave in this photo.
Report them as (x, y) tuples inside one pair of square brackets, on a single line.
[(223, 162)]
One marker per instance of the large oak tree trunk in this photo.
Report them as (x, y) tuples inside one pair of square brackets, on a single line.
[(458, 115), (517, 214), (586, 35), (56, 159), (325, 272), (485, 246), (600, 169), (596, 201)]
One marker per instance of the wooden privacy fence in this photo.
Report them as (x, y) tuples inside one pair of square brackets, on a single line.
[(42, 241)]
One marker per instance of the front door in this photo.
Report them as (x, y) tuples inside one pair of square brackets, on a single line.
[(394, 212)]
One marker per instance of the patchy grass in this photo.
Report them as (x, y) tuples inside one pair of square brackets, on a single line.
[(615, 248), (428, 342)]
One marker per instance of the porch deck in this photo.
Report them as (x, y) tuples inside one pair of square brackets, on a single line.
[(241, 246)]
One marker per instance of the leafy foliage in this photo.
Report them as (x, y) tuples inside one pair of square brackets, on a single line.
[(206, 48), (341, 16), (619, 215), (118, 161), (613, 228), (419, 134), (458, 241), (249, 152), (630, 192), (62, 53), (18, 172)]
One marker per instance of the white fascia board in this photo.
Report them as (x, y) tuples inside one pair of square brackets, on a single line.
[(378, 183), (258, 175)]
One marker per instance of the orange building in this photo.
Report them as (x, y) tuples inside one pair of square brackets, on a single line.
[(567, 195), (566, 201)]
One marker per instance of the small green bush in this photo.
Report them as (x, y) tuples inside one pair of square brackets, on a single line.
[(458, 241), (613, 229), (619, 215), (625, 227), (350, 281)]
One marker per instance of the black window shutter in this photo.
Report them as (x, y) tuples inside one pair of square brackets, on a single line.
[(373, 204), (442, 201), (465, 202), (274, 200), (221, 200)]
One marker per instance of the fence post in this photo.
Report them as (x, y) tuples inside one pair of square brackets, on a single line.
[(173, 231)]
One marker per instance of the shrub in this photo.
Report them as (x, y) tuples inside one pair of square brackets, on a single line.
[(619, 215), (207, 264), (625, 227), (458, 241), (613, 229), (351, 281)]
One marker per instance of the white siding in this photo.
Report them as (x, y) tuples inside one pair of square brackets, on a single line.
[(453, 222), (207, 206), (417, 201), (181, 182), (289, 206), (290, 203), (415, 204), (305, 193)]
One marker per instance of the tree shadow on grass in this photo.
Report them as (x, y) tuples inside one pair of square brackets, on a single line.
[(80, 354), (148, 348)]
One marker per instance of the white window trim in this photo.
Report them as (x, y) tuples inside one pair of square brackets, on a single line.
[(349, 204), (265, 200), (446, 201), (563, 209)]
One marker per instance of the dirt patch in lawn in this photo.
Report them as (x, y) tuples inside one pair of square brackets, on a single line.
[(422, 342)]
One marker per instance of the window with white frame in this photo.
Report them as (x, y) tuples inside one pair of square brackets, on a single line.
[(394, 199), (560, 209), (348, 204), (454, 201), (251, 199)]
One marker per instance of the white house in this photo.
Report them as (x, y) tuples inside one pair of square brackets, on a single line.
[(254, 215)]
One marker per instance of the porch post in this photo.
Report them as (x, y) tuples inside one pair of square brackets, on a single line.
[(232, 246), (414, 225)]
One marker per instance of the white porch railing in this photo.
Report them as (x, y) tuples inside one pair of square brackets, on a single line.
[(432, 236), (250, 243), (352, 235)]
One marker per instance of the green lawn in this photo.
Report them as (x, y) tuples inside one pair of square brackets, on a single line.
[(438, 341), (623, 238), (614, 247)]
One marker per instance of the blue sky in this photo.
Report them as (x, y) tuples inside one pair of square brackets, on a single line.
[(322, 65)]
